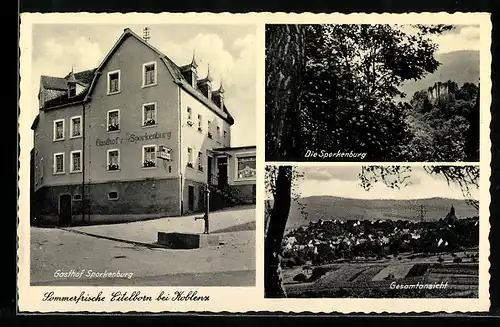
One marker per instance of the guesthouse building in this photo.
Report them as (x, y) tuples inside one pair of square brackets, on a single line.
[(138, 137)]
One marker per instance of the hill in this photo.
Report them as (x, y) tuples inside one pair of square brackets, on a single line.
[(457, 66), (331, 207)]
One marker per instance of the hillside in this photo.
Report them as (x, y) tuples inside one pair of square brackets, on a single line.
[(331, 207), (457, 66)]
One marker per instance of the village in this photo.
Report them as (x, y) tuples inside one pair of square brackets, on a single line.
[(327, 241), (383, 258)]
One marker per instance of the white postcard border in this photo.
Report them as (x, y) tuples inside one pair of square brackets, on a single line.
[(243, 299)]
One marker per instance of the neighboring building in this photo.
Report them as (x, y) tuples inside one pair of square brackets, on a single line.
[(103, 131)]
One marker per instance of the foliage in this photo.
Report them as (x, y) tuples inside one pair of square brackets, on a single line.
[(351, 81), (440, 122)]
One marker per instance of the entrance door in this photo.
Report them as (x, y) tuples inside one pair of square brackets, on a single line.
[(222, 171), (191, 197), (209, 170), (65, 210)]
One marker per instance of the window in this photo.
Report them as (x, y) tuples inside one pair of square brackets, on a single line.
[(190, 158), (190, 116), (114, 82), (77, 197), (218, 134), (59, 163), (149, 74), (199, 124), (225, 134), (72, 90), (113, 120), (113, 195), (149, 156), (76, 161), (200, 161), (58, 129), (113, 160), (246, 167), (209, 133), (149, 114), (76, 127)]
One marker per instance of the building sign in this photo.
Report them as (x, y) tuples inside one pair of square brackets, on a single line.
[(133, 138)]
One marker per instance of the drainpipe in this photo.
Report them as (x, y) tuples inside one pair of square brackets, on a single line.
[(181, 180), (83, 161)]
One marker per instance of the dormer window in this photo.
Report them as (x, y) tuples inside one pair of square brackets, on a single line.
[(72, 90), (209, 91), (149, 74)]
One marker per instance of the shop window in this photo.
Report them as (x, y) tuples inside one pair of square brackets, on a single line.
[(246, 167)]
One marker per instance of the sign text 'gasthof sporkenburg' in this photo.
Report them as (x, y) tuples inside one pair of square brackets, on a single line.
[(133, 138)]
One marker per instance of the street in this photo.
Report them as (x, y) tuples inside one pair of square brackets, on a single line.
[(66, 257)]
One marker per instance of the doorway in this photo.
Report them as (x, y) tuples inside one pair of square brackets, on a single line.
[(191, 198), (65, 210), (222, 171)]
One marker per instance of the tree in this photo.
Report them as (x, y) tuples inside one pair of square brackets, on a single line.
[(445, 122), (285, 63), (350, 83)]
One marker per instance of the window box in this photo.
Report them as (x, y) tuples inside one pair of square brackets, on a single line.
[(150, 122), (190, 123), (200, 168), (112, 128), (113, 167), (148, 164), (210, 135), (190, 164)]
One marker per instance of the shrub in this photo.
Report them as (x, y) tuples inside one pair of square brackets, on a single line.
[(299, 261), (457, 260)]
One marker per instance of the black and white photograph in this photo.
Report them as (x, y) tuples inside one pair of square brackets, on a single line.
[(373, 92), (372, 232), (143, 155)]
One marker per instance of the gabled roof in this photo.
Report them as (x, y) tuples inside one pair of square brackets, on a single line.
[(174, 70), (89, 78)]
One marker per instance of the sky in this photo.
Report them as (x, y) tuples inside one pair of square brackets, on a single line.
[(462, 37), (230, 51), (343, 181)]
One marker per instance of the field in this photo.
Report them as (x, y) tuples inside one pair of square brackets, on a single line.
[(389, 279)]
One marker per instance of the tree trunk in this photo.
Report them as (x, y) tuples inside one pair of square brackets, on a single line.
[(285, 60), (273, 280)]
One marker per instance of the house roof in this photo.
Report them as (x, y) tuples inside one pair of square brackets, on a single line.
[(174, 70), (61, 84)]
